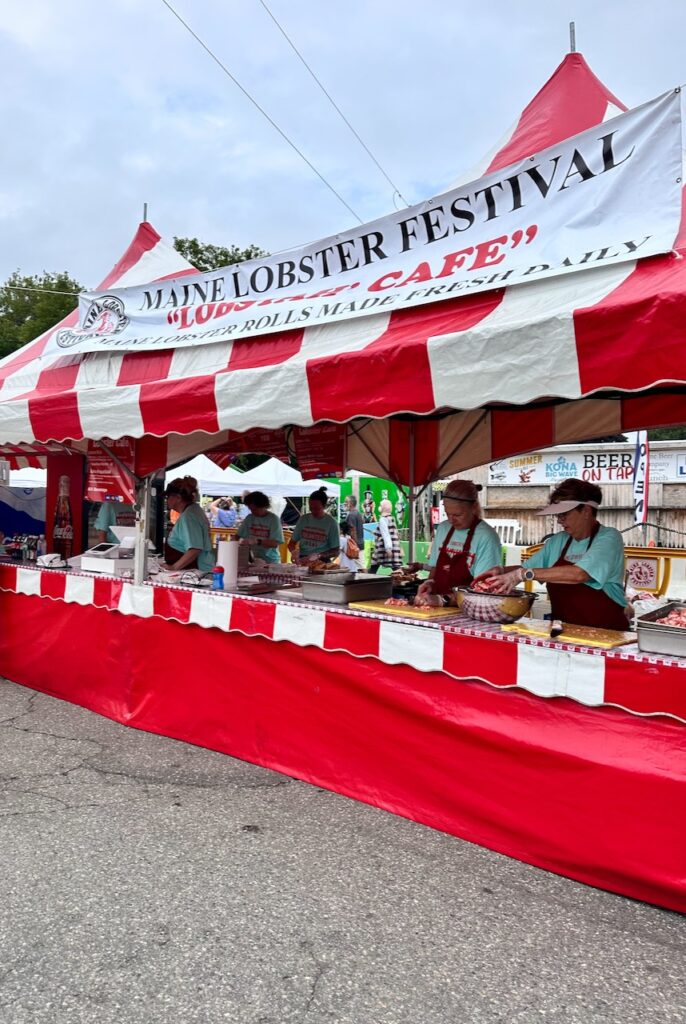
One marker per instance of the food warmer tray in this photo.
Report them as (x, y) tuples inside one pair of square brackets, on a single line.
[(363, 587), (655, 638)]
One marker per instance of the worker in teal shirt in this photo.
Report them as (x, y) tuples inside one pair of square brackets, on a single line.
[(107, 518), (189, 545), (582, 566), (261, 528), (316, 534)]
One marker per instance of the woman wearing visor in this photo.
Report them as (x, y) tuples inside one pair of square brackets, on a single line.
[(188, 545), (464, 546), (582, 567)]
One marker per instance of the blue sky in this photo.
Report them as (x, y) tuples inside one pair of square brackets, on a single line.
[(111, 104)]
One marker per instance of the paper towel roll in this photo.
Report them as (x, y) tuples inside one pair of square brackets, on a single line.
[(227, 557)]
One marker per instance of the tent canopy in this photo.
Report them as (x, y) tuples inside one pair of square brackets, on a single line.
[(212, 480), (28, 478), (277, 480), (420, 392)]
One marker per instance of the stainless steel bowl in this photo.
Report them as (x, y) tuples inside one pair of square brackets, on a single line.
[(494, 607)]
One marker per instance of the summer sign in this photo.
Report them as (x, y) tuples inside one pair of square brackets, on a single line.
[(607, 195)]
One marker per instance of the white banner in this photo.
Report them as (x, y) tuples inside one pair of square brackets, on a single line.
[(641, 478), (605, 196), (600, 466)]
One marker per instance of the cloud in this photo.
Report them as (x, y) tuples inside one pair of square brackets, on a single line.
[(113, 105)]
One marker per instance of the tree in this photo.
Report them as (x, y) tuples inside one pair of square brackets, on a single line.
[(607, 439), (31, 305), (208, 257), (667, 434)]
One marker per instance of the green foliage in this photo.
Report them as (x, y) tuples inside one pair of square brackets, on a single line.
[(31, 305), (607, 439), (667, 434), (208, 257)]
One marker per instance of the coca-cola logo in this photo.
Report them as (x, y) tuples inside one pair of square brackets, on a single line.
[(104, 317)]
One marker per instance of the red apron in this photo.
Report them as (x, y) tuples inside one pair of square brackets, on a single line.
[(171, 555), (453, 572), (582, 605)]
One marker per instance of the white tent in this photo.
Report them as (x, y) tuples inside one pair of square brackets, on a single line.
[(277, 480), (28, 478), (212, 480)]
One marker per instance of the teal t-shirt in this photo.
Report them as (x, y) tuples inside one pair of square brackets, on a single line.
[(316, 535), (192, 530), (263, 528), (603, 561), (485, 551), (105, 518)]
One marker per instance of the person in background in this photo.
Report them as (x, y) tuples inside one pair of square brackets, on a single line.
[(223, 513), (348, 561), (242, 509), (261, 529), (107, 518), (463, 545), (189, 545), (354, 520), (582, 566), (386, 540), (316, 533)]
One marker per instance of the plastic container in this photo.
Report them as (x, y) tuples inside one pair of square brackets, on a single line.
[(218, 578)]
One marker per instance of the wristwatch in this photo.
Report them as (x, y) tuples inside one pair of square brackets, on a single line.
[(528, 575)]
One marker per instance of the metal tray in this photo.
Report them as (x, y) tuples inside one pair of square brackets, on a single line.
[(654, 638), (337, 576), (365, 589)]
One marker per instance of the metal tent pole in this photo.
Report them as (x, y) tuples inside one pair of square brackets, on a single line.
[(411, 510), (140, 557)]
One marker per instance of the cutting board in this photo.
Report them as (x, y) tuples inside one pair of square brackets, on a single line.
[(426, 614), (590, 636)]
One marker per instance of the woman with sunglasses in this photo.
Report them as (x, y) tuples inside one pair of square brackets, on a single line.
[(463, 545), (582, 567)]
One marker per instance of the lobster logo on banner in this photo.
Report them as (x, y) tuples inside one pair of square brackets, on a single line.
[(104, 317)]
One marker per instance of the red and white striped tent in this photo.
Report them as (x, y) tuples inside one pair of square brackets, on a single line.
[(421, 393)]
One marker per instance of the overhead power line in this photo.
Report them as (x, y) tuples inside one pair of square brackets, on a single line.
[(333, 103), (261, 109)]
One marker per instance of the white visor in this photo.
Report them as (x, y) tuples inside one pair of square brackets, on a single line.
[(560, 507)]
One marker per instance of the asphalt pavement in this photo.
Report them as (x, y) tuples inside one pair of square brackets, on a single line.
[(146, 881)]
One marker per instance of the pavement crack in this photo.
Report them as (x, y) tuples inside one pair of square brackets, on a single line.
[(33, 695), (156, 780), (320, 970)]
